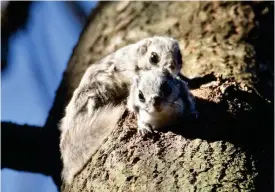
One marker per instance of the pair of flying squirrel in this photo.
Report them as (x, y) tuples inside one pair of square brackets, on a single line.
[(145, 73)]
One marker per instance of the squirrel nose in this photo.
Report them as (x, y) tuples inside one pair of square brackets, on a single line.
[(156, 101)]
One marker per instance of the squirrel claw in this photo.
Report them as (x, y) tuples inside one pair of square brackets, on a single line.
[(145, 129)]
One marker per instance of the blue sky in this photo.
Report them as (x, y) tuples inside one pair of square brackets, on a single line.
[(37, 57)]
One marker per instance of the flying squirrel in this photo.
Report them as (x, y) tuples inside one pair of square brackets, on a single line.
[(95, 107), (159, 99)]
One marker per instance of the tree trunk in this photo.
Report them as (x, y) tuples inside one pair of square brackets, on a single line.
[(230, 146)]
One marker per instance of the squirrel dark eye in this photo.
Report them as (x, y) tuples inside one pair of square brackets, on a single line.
[(166, 89), (154, 58), (141, 97)]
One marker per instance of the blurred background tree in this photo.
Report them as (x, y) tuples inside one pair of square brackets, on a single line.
[(37, 40)]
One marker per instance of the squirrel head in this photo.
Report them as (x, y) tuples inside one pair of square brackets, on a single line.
[(159, 51), (155, 90)]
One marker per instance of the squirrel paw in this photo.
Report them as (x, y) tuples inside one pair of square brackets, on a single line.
[(144, 129)]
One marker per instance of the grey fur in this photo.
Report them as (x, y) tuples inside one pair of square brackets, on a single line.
[(104, 85), (172, 94)]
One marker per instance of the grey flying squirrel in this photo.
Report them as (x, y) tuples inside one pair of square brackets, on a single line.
[(159, 98), (103, 85)]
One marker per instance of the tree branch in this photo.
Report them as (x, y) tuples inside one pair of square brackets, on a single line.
[(29, 148)]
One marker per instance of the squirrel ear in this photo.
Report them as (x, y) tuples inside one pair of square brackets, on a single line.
[(178, 54), (143, 46)]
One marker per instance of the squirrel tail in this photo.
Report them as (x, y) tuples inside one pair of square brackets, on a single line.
[(84, 136)]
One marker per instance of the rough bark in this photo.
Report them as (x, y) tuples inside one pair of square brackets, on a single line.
[(230, 147)]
